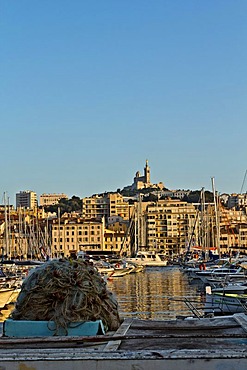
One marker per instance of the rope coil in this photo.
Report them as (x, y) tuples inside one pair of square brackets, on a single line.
[(66, 291)]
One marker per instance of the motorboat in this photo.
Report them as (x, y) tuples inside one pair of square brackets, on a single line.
[(149, 259), (222, 273), (225, 303), (231, 288)]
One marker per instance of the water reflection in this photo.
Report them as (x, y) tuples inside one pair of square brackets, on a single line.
[(148, 295), (5, 312)]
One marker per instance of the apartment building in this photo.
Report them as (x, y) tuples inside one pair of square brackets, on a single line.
[(169, 223), (119, 207), (242, 237), (106, 205), (233, 228), (229, 240), (26, 199), (95, 207), (51, 199), (117, 242), (72, 235)]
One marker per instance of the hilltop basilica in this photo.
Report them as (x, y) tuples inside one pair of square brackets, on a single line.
[(141, 182)]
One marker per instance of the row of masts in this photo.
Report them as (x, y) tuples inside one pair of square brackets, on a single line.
[(207, 238), (25, 239)]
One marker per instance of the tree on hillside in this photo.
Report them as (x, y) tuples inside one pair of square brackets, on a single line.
[(195, 197), (66, 205), (150, 198)]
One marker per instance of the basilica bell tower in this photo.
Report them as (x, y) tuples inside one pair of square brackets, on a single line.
[(147, 173)]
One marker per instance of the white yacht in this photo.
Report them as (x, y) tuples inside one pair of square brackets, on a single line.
[(150, 258)]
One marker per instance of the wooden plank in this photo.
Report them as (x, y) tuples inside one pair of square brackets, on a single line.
[(114, 344), (193, 324), (113, 340)]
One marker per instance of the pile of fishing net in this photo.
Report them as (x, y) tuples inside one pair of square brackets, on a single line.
[(66, 291)]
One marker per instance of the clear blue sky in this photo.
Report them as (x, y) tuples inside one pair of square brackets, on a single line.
[(91, 89)]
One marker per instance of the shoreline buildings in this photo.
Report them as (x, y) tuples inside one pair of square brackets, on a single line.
[(143, 216)]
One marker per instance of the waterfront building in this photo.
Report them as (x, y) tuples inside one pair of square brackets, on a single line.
[(117, 242), (117, 236), (104, 206), (117, 223), (242, 236), (71, 235), (119, 207), (26, 199), (169, 225), (233, 230), (165, 225), (96, 206), (229, 240), (51, 199), (114, 219)]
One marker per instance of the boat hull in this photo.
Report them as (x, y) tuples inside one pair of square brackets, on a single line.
[(225, 304), (146, 263), (148, 259)]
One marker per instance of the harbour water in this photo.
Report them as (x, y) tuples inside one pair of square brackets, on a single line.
[(158, 293)]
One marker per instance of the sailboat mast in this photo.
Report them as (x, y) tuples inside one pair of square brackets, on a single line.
[(6, 227), (203, 224), (216, 217), (135, 230), (140, 222), (58, 213), (9, 232)]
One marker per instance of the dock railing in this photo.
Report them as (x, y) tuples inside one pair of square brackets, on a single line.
[(191, 305)]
